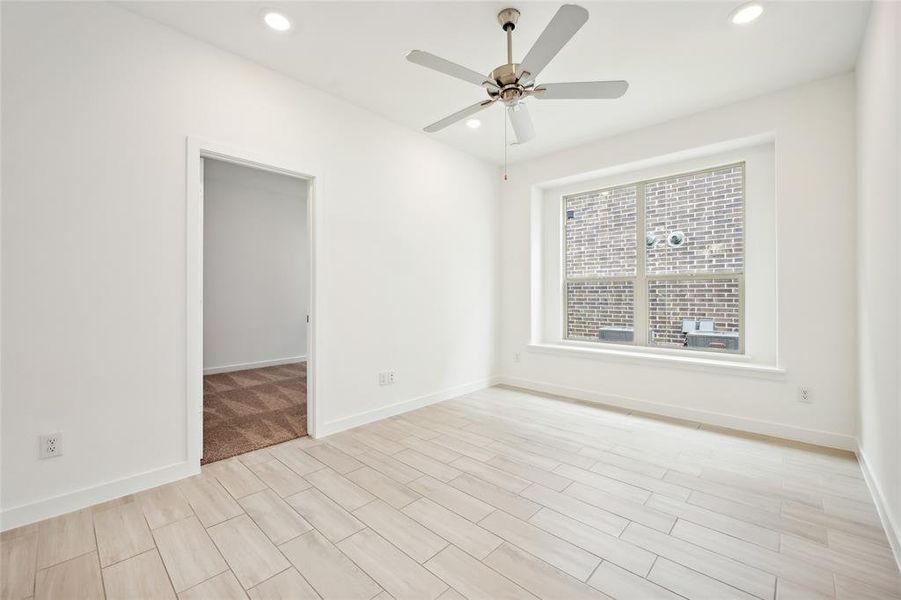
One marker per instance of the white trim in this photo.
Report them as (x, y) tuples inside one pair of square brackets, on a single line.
[(377, 414), (25, 514), (779, 430), (289, 360), (301, 167), (733, 365), (892, 529)]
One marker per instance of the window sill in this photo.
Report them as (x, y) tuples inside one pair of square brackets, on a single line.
[(737, 365)]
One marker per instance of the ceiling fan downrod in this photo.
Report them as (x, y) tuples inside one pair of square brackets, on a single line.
[(508, 19)]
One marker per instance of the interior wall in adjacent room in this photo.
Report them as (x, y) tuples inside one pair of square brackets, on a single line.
[(256, 271)]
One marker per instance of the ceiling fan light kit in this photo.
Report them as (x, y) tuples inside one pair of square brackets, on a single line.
[(511, 83)]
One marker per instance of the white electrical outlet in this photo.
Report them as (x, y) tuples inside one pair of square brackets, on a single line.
[(383, 377), (804, 395), (392, 377), (51, 445)]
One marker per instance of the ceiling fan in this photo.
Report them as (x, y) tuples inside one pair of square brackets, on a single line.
[(511, 83)]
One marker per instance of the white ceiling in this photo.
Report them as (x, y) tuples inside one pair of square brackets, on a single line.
[(679, 57)]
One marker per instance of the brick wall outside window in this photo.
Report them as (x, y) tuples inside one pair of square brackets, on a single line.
[(708, 209), (601, 241), (600, 233), (669, 302), (592, 305)]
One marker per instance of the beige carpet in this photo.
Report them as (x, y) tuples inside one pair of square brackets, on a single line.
[(248, 410)]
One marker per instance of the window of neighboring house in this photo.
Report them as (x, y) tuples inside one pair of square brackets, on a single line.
[(684, 288)]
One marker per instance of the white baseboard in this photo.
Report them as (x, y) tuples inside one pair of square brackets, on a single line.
[(370, 416), (891, 527), (18, 516), (789, 432), (254, 365)]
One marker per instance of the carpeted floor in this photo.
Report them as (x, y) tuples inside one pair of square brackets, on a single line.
[(248, 410)]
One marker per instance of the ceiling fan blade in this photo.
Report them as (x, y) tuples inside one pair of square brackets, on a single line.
[(568, 20), (521, 122), (447, 67), (581, 90), (469, 110)]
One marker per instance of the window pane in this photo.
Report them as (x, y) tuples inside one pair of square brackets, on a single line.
[(707, 210), (697, 314), (600, 311), (600, 233)]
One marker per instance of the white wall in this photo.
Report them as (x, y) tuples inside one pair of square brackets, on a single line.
[(256, 272), (97, 104), (879, 260), (813, 129)]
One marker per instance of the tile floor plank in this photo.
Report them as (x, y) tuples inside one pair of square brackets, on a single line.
[(274, 516), (235, 477), (188, 553), (495, 496), (621, 584), (163, 505), (142, 576), (287, 585), (65, 537), (321, 512), (18, 557), (75, 578), (293, 457), (221, 587), (340, 489), (462, 533), (398, 574), (383, 487), (252, 557), (592, 516), (736, 574), (605, 546), (768, 538), (211, 503), (122, 532), (328, 570), (280, 479), (565, 556), (418, 542), (632, 511), (338, 460), (537, 576), (424, 464), (692, 584), (786, 567), (472, 578)]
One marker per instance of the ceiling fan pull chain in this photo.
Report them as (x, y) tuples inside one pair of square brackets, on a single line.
[(504, 117)]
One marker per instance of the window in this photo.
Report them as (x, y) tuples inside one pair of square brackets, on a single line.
[(664, 258)]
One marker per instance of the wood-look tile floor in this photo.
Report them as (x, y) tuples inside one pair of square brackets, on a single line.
[(498, 494)]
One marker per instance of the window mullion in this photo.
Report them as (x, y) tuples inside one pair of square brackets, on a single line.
[(640, 290)]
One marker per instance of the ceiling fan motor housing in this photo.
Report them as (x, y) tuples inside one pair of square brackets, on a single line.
[(508, 18), (509, 90)]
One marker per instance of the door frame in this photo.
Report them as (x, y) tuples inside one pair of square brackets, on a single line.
[(309, 171)]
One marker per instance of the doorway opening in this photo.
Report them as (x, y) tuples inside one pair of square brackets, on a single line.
[(257, 289)]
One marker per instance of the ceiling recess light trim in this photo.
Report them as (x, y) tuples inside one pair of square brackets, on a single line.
[(746, 13), (473, 123), (276, 21)]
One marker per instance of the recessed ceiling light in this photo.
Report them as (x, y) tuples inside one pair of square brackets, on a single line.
[(473, 123), (277, 21), (746, 13)]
